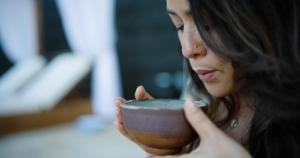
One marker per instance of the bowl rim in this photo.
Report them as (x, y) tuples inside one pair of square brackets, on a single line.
[(199, 103)]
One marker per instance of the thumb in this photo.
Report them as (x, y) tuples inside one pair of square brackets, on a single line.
[(199, 121), (142, 94)]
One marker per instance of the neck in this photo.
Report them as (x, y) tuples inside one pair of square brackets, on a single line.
[(241, 119)]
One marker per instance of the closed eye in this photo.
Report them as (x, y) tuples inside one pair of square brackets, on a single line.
[(207, 28), (180, 28)]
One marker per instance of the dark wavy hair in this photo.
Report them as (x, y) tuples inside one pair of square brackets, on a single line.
[(261, 38)]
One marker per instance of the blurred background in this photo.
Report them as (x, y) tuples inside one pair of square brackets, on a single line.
[(62, 62)]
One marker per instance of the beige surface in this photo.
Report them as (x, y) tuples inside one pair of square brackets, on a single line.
[(66, 141)]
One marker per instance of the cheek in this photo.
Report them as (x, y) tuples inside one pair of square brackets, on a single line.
[(180, 38), (224, 84), (181, 43), (227, 83)]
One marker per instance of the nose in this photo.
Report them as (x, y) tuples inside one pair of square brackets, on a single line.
[(192, 45)]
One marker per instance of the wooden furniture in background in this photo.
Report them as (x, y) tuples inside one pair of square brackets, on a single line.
[(66, 111)]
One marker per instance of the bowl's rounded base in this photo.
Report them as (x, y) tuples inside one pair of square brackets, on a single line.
[(158, 151)]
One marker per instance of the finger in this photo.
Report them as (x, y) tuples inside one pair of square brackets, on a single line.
[(199, 121), (168, 156), (119, 115), (142, 94), (118, 101), (124, 132), (150, 155), (121, 128)]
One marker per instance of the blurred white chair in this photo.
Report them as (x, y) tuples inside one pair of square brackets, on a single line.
[(49, 87), (22, 72)]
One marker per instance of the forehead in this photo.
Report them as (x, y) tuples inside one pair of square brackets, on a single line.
[(178, 5)]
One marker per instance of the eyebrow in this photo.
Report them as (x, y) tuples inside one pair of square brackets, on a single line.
[(188, 12)]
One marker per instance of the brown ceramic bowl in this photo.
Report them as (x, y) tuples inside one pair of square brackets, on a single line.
[(158, 126)]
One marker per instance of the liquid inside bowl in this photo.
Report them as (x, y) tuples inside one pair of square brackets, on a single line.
[(160, 104)]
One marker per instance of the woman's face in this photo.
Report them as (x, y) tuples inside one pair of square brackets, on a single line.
[(215, 72)]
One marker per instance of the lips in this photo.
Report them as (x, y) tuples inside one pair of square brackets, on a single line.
[(206, 74)]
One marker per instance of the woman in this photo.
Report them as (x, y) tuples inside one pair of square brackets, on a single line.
[(242, 56)]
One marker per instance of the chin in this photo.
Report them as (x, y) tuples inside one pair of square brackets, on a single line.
[(218, 94), (218, 91)]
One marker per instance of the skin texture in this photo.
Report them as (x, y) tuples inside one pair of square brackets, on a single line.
[(214, 142)]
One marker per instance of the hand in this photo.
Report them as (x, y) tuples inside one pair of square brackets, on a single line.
[(140, 94), (214, 142)]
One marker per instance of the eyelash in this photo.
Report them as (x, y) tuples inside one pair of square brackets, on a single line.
[(180, 28), (207, 28)]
